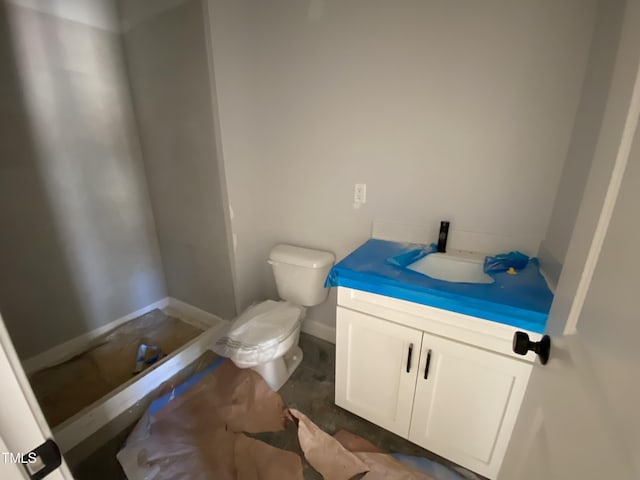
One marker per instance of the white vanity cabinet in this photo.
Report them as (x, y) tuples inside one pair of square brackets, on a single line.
[(372, 378), (447, 382)]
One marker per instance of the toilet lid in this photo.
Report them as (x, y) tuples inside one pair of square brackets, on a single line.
[(257, 333)]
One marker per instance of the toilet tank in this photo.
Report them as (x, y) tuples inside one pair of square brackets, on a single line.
[(300, 273)]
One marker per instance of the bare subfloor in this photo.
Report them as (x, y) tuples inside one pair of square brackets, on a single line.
[(310, 390), (67, 388)]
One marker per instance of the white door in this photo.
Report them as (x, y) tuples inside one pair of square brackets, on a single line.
[(466, 402), (22, 425), (580, 418), (376, 368)]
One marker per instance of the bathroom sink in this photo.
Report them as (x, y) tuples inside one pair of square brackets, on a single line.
[(451, 268)]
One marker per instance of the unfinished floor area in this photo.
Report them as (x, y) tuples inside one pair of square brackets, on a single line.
[(310, 390), (66, 389)]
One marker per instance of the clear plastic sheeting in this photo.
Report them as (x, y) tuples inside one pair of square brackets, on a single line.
[(202, 430), (435, 469), (199, 432), (255, 336)]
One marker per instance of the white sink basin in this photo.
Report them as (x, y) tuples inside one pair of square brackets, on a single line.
[(451, 268)]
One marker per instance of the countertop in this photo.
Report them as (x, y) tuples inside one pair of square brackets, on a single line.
[(522, 300)]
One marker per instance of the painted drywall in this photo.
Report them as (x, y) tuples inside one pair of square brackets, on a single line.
[(608, 321), (445, 109), (132, 12), (97, 13), (565, 310), (585, 391), (168, 70), (78, 247), (585, 135)]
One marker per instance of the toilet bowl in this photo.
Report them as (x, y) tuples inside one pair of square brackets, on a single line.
[(265, 336)]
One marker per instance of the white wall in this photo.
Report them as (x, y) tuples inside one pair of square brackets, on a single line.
[(96, 13), (168, 71), (78, 247), (445, 109), (594, 356), (607, 149), (584, 137), (133, 12)]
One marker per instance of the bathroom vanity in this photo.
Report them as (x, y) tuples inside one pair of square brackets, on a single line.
[(447, 381)]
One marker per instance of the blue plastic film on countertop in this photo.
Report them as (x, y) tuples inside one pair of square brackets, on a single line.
[(522, 300), (504, 261)]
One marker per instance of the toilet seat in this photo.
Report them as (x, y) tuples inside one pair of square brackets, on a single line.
[(263, 332), (282, 347)]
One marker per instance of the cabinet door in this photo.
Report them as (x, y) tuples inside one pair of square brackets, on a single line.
[(375, 373), (466, 407)]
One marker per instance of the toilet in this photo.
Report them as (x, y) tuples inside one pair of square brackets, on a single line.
[(265, 336)]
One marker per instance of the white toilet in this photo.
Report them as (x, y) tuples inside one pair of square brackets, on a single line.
[(265, 336)]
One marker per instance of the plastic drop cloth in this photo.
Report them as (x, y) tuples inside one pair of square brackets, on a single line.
[(362, 448), (334, 460), (197, 433), (255, 336), (200, 431)]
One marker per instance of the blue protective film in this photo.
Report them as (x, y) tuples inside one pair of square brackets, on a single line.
[(522, 300), (407, 258), (504, 261), (163, 400), (430, 467)]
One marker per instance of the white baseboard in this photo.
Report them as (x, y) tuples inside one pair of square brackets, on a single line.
[(79, 344), (320, 330), (97, 415), (190, 314), (91, 419)]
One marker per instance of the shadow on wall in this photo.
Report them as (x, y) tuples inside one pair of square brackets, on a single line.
[(78, 246), (32, 260), (168, 70)]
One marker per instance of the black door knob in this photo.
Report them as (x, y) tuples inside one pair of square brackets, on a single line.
[(522, 344)]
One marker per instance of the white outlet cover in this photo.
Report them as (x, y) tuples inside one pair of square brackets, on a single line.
[(360, 193)]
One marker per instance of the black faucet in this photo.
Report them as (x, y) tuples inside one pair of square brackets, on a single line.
[(442, 238)]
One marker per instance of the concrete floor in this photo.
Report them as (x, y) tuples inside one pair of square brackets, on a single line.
[(310, 390)]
